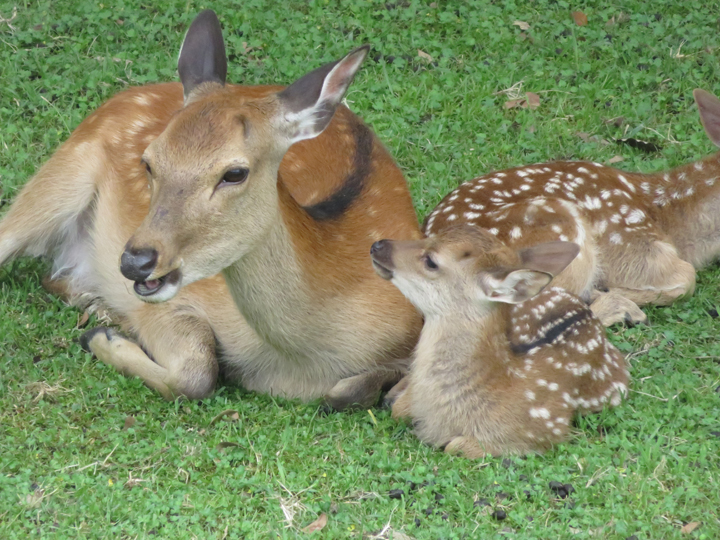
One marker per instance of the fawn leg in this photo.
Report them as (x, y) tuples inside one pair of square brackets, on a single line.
[(401, 407), (612, 307), (468, 447), (395, 392), (360, 391)]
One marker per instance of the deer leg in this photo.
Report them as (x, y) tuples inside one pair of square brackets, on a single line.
[(361, 391), (182, 346), (127, 357)]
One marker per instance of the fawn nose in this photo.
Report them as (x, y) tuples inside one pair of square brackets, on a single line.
[(381, 251), (137, 264)]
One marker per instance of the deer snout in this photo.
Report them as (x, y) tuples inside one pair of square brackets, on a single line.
[(381, 255), (137, 264)]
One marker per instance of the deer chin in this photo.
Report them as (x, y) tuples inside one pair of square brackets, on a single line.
[(382, 271), (160, 289)]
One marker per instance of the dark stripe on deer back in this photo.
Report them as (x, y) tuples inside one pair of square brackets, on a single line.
[(352, 187), (552, 334)]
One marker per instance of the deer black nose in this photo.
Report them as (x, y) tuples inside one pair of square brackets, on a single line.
[(378, 247), (137, 264)]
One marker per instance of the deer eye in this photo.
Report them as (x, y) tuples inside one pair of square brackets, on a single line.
[(235, 176), (430, 264), (147, 167)]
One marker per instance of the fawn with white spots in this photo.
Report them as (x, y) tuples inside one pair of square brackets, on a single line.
[(165, 186), (502, 364), (641, 236)]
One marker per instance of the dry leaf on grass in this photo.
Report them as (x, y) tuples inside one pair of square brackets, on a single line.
[(615, 159), (690, 527), (618, 19), (531, 101), (591, 138), (317, 525), (226, 444), (45, 391), (522, 25), (83, 320), (580, 18), (129, 422), (425, 56), (230, 414)]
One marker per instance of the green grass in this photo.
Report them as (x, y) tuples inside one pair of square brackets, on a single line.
[(70, 469)]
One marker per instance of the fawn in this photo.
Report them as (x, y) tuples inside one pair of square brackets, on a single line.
[(501, 365), (165, 186), (641, 236)]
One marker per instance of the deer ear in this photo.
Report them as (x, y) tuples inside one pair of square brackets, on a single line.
[(709, 107), (202, 55), (513, 287), (550, 257), (308, 105)]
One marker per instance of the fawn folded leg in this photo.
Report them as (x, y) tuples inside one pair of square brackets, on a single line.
[(401, 407), (468, 447), (181, 344), (612, 307), (650, 272), (361, 391)]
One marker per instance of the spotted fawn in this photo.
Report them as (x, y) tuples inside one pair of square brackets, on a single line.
[(502, 363), (641, 236)]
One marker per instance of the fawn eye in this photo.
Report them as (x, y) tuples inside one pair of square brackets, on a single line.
[(147, 167), (235, 176), (430, 264)]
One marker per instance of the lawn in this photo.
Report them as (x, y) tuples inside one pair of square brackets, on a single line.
[(87, 453)]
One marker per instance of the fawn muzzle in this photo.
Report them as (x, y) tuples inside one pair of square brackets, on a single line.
[(381, 255)]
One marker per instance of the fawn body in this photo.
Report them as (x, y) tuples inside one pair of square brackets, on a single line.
[(501, 365), (186, 181), (641, 236)]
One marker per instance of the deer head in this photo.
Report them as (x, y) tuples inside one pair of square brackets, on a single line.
[(213, 172), (466, 269)]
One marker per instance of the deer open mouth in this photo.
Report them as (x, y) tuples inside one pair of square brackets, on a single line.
[(160, 289), (382, 271)]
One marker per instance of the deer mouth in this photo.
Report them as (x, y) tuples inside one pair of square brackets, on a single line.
[(159, 289), (382, 271)]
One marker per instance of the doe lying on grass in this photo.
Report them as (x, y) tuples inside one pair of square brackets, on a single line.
[(641, 236), (502, 364), (167, 185)]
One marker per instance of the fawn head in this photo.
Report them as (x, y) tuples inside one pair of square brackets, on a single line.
[(213, 171), (465, 269)]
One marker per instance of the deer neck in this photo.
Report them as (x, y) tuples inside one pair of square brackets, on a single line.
[(458, 339), (684, 203), (269, 284)]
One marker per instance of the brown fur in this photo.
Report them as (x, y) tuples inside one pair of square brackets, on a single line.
[(312, 311), (500, 366), (641, 235)]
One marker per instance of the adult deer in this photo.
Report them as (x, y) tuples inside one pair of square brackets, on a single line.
[(167, 185), (641, 236), (502, 364)]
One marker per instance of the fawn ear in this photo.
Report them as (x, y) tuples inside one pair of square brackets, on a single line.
[(202, 55), (550, 257), (513, 287), (308, 105), (709, 107)]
